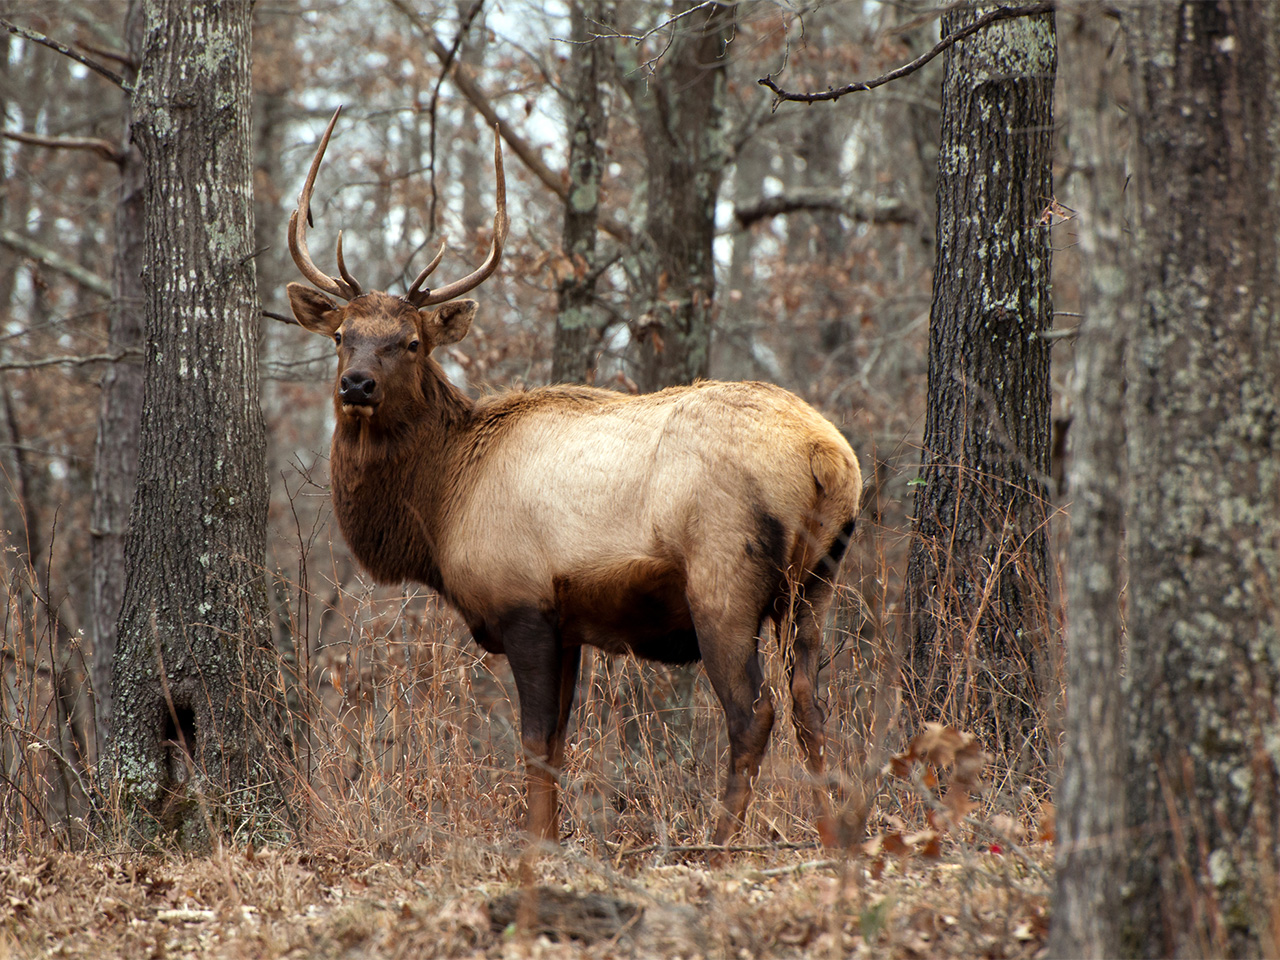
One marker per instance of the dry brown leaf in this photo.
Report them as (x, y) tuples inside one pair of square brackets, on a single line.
[(1047, 830), (896, 845), (931, 849), (958, 803)]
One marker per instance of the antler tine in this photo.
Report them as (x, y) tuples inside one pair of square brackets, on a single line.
[(413, 290), (346, 288), (426, 298), (342, 269)]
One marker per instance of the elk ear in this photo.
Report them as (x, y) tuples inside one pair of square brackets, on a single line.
[(313, 310), (449, 322)]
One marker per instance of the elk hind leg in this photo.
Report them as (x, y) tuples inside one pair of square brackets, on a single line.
[(732, 663), (810, 604)]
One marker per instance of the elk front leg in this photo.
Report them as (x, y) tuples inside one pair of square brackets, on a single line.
[(546, 677)]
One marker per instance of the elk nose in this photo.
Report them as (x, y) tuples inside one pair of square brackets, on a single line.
[(357, 388)]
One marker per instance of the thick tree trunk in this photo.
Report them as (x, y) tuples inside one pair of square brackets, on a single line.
[(976, 592), (1204, 465), (1090, 794), (115, 454), (680, 113), (577, 322), (191, 672), (820, 151)]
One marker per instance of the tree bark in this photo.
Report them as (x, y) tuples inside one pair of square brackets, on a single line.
[(1090, 794), (191, 671), (115, 455), (680, 114), (977, 612), (577, 323), (1204, 465)]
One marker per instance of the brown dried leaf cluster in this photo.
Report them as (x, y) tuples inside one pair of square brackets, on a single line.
[(938, 748)]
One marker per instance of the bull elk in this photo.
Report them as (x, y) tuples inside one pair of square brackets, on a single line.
[(673, 525)]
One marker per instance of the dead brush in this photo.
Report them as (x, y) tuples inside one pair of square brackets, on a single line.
[(46, 752), (406, 780)]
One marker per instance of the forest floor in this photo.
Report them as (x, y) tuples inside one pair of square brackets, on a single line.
[(409, 788), (489, 901)]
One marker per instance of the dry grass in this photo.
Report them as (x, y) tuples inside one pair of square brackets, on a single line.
[(334, 901), (409, 787)]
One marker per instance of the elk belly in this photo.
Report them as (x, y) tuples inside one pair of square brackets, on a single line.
[(636, 605)]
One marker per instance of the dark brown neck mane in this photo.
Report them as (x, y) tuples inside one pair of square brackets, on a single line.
[(391, 482)]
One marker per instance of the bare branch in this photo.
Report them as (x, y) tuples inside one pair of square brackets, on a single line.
[(106, 149), (121, 58), (54, 261), (619, 851), (446, 63), (464, 80), (70, 360), (1062, 333), (40, 38), (833, 200), (670, 21), (999, 13)]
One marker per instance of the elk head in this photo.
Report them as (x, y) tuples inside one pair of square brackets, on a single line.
[(383, 340)]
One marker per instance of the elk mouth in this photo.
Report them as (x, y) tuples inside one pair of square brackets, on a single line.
[(365, 409)]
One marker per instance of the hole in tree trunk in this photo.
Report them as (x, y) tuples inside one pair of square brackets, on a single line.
[(179, 739)]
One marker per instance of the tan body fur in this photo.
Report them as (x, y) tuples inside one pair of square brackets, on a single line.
[(570, 485)]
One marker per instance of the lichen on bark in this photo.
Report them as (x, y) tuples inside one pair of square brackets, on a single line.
[(1204, 428), (977, 618)]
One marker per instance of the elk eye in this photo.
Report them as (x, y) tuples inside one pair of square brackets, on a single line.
[(337, 338), (413, 345)]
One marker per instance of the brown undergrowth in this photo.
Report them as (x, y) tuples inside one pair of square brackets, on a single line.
[(408, 792)]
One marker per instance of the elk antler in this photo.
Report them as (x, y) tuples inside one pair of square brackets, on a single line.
[(347, 287), (413, 290), (428, 297)]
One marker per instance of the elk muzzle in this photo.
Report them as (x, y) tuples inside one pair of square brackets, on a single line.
[(358, 389)]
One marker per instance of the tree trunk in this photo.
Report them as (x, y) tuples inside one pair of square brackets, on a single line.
[(577, 323), (191, 672), (1204, 449), (825, 251), (1090, 794), (680, 110), (115, 455), (976, 579)]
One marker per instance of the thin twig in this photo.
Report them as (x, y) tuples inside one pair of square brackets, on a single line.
[(999, 13), (717, 848), (36, 37), (670, 21), (797, 868)]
